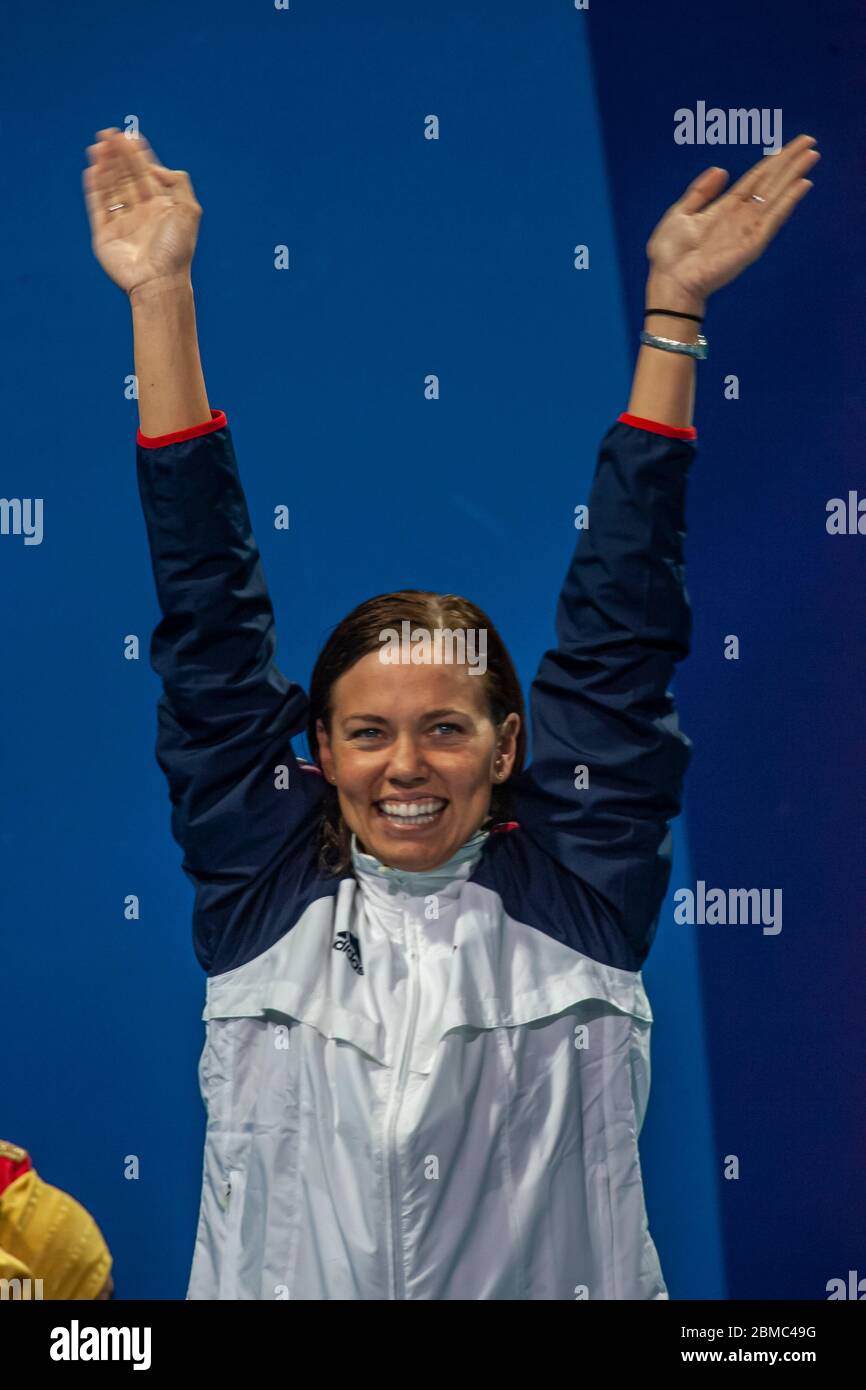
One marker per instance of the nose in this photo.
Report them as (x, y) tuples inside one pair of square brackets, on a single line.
[(406, 763)]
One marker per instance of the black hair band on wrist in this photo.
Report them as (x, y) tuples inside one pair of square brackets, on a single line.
[(674, 314)]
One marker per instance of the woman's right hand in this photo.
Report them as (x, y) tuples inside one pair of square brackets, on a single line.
[(153, 236)]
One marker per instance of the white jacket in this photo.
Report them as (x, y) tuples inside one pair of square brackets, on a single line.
[(425, 1086)]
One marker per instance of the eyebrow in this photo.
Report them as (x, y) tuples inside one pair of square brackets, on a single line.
[(429, 714)]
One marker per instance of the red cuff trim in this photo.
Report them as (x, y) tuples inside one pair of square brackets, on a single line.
[(12, 1168), (217, 421), (655, 427)]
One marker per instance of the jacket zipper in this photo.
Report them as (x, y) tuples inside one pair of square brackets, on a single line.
[(398, 1280), (229, 1274)]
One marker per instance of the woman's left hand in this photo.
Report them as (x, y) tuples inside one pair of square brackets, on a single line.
[(704, 241)]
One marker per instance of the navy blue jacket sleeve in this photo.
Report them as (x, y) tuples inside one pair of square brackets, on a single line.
[(600, 699), (226, 714)]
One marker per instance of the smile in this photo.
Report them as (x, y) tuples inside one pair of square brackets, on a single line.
[(411, 815)]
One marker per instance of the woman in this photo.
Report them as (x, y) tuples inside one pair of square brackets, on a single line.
[(427, 1054)]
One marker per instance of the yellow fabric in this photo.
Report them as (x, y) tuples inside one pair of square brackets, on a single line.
[(13, 1151), (10, 1268), (54, 1237)]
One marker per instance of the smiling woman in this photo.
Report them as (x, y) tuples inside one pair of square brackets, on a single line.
[(394, 739), (427, 1056)]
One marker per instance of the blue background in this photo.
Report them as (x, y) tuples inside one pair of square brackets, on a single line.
[(305, 128)]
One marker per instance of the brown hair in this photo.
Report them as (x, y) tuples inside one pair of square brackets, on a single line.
[(360, 632)]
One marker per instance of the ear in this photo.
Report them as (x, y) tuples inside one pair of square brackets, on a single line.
[(506, 747)]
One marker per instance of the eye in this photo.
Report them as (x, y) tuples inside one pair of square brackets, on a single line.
[(457, 728), (358, 732)]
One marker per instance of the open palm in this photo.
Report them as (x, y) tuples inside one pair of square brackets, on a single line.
[(704, 241), (154, 233)]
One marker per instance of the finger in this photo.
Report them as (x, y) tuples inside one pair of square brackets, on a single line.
[(99, 193), (787, 165), (95, 211), (95, 182), (149, 152), (177, 183), (146, 186), (771, 169), (110, 180), (166, 177), (161, 178), (782, 208), (795, 167), (703, 189), (121, 175), (104, 143)]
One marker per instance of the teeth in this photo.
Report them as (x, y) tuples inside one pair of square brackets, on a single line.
[(410, 810)]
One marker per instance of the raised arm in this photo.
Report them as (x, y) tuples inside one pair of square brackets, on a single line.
[(600, 699), (608, 757), (227, 714)]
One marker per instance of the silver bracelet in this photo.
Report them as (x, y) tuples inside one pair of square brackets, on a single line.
[(698, 349)]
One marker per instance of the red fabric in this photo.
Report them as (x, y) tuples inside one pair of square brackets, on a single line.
[(216, 422), (505, 825), (655, 426), (12, 1165)]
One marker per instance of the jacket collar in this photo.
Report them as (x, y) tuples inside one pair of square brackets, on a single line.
[(376, 877)]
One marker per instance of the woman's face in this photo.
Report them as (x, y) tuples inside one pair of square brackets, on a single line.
[(406, 739)]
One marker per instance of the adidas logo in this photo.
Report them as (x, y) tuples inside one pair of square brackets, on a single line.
[(349, 943)]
